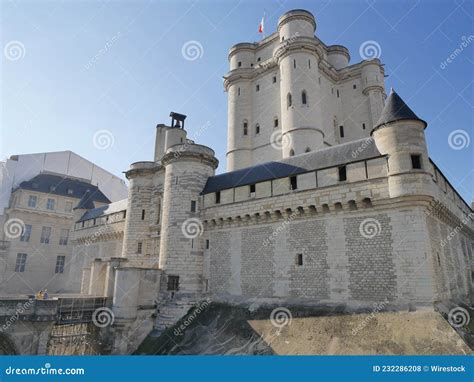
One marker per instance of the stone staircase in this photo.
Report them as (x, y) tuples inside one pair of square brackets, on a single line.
[(171, 310)]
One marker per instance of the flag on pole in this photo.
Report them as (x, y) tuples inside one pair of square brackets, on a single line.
[(261, 25)]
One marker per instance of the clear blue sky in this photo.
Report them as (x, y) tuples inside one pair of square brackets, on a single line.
[(85, 66)]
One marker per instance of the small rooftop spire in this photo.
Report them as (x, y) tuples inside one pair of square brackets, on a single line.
[(86, 202), (396, 109)]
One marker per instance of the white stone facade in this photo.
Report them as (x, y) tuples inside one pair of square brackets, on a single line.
[(363, 218), (331, 102)]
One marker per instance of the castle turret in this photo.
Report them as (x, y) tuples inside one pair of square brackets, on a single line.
[(136, 239), (187, 167), (338, 56), (400, 135), (373, 87), (298, 57), (239, 110)]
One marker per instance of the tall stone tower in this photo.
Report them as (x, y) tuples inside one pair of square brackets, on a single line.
[(187, 167), (290, 94), (297, 60)]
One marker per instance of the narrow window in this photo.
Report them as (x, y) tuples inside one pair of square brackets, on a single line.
[(303, 97), (354, 86), (252, 188), (246, 128), (274, 79), (143, 214), (363, 126), (337, 91), (342, 174), (50, 204), (45, 235), (258, 59), (257, 129), (251, 65), (238, 92), (341, 131), (294, 64), (173, 283), (193, 206), (308, 150), (319, 80), (275, 122), (293, 183), (309, 64), (32, 200), (207, 244), (64, 237), (257, 88), (239, 64), (218, 197), (416, 161), (292, 152), (299, 259), (192, 243), (26, 233), (288, 100), (139, 247), (60, 260), (20, 262), (125, 214)]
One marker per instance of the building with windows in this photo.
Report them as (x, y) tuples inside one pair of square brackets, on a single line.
[(36, 247), (330, 198)]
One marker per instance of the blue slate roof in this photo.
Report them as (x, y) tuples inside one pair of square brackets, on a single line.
[(111, 208), (63, 186), (329, 157), (396, 109)]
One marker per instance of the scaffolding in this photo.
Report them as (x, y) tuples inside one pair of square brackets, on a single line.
[(75, 332)]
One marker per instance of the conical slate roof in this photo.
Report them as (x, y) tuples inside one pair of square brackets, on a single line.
[(86, 202), (395, 109)]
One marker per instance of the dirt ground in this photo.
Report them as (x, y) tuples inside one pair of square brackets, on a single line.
[(421, 332)]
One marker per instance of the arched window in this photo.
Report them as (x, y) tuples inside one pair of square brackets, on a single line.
[(292, 153), (308, 150), (246, 128), (289, 101), (303, 97), (257, 129)]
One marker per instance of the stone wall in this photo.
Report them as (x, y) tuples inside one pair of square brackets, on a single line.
[(365, 255)]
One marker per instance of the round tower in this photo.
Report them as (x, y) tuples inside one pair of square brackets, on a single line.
[(400, 135), (297, 56), (187, 168), (338, 56), (238, 85), (372, 76), (296, 23), (136, 239)]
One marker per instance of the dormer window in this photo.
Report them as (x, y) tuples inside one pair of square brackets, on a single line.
[(70, 191)]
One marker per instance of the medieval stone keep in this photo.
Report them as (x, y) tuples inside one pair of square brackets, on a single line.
[(330, 197)]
